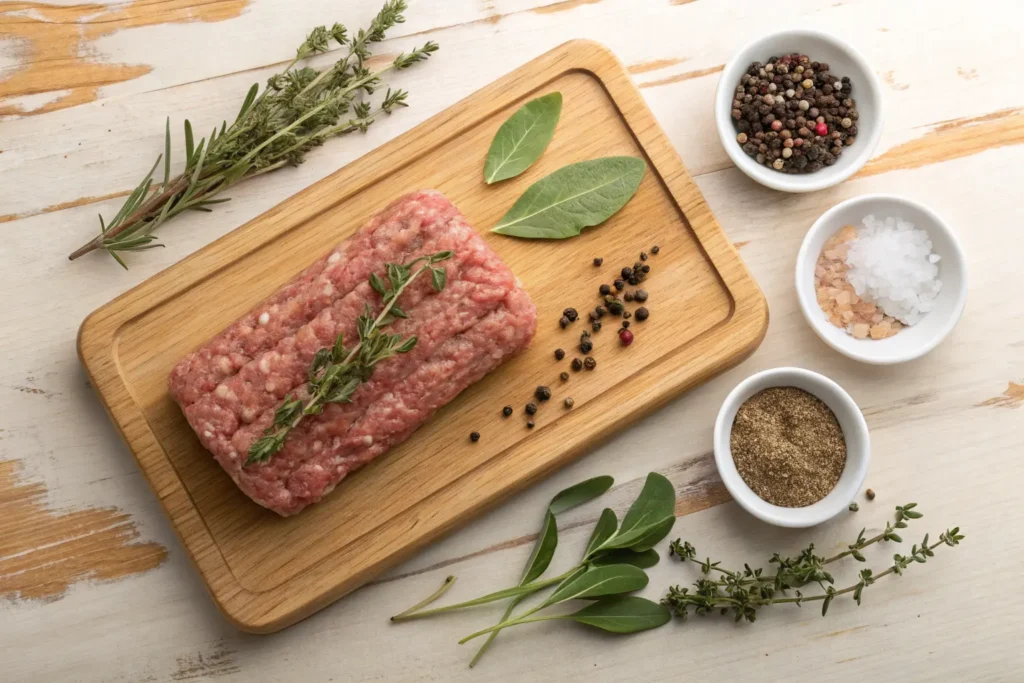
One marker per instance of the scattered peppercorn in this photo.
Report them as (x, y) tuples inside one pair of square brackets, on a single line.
[(627, 315), (506, 411), (595, 326), (564, 377), (604, 289), (576, 364), (655, 249), (793, 114), (627, 272), (870, 494), (563, 322), (628, 296), (529, 424), (531, 408), (854, 507), (642, 313), (586, 346), (620, 284), (571, 314), (626, 337), (598, 261), (615, 307), (600, 311), (633, 281), (625, 324), (559, 354), (590, 363), (569, 403), (542, 393), (474, 436), (643, 255), (645, 269), (640, 295)]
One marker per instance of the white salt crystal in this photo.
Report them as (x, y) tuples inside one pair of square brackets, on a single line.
[(891, 264)]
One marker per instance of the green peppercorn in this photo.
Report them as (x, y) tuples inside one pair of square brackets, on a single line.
[(854, 507), (615, 307)]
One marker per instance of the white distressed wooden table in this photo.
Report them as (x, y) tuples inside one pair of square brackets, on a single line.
[(95, 587)]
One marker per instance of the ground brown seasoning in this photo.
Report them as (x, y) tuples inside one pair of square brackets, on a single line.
[(788, 446)]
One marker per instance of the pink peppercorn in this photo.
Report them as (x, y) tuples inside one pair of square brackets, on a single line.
[(626, 337), (777, 125), (821, 129)]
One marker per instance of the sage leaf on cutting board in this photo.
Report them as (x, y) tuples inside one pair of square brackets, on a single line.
[(522, 138), (574, 197)]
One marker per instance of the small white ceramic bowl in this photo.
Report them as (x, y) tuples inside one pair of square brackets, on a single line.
[(855, 431), (911, 342), (843, 60)]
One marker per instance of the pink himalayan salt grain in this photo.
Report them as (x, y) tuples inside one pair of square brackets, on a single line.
[(839, 300)]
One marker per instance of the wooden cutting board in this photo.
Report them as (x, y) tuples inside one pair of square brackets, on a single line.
[(707, 314)]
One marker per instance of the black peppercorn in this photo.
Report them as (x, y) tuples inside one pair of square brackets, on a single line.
[(569, 403), (506, 411), (604, 289), (564, 377), (633, 281), (640, 295), (642, 313), (576, 364), (619, 284), (643, 255), (586, 346), (531, 408), (590, 363), (600, 311), (628, 296), (655, 249), (529, 424), (596, 326), (598, 261), (627, 315), (474, 436), (563, 322), (542, 393), (571, 314), (625, 324), (559, 354), (646, 269), (626, 272)]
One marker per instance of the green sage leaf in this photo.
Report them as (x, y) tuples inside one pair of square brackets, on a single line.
[(522, 138), (647, 517), (574, 197), (603, 530), (644, 560), (600, 581), (580, 493), (623, 614), (644, 538), (543, 550)]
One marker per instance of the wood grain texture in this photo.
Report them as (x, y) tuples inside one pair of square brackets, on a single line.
[(266, 572)]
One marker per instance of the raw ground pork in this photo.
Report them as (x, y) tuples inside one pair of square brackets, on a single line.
[(230, 387)]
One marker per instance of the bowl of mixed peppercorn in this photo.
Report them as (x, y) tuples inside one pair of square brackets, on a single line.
[(799, 110)]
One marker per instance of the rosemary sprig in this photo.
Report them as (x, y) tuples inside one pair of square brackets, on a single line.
[(298, 110), (744, 592), (335, 373)]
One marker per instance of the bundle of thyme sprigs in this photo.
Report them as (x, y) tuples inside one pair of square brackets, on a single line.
[(744, 592), (298, 110), (335, 374)]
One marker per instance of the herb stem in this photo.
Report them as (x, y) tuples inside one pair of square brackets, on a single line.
[(514, 622), (494, 634), (516, 591), (448, 583)]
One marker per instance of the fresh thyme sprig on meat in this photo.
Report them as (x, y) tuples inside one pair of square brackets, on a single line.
[(335, 374), (298, 110), (744, 592)]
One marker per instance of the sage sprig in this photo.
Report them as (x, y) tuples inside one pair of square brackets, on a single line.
[(745, 592), (612, 565), (299, 109), (335, 372)]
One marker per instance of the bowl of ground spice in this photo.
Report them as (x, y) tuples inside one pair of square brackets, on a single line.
[(799, 110), (792, 447)]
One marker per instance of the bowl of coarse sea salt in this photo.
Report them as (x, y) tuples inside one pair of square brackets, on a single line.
[(887, 289)]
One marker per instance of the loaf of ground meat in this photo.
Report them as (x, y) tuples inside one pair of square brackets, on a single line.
[(230, 387)]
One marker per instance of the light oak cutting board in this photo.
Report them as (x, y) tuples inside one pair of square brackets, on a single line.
[(707, 314)]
